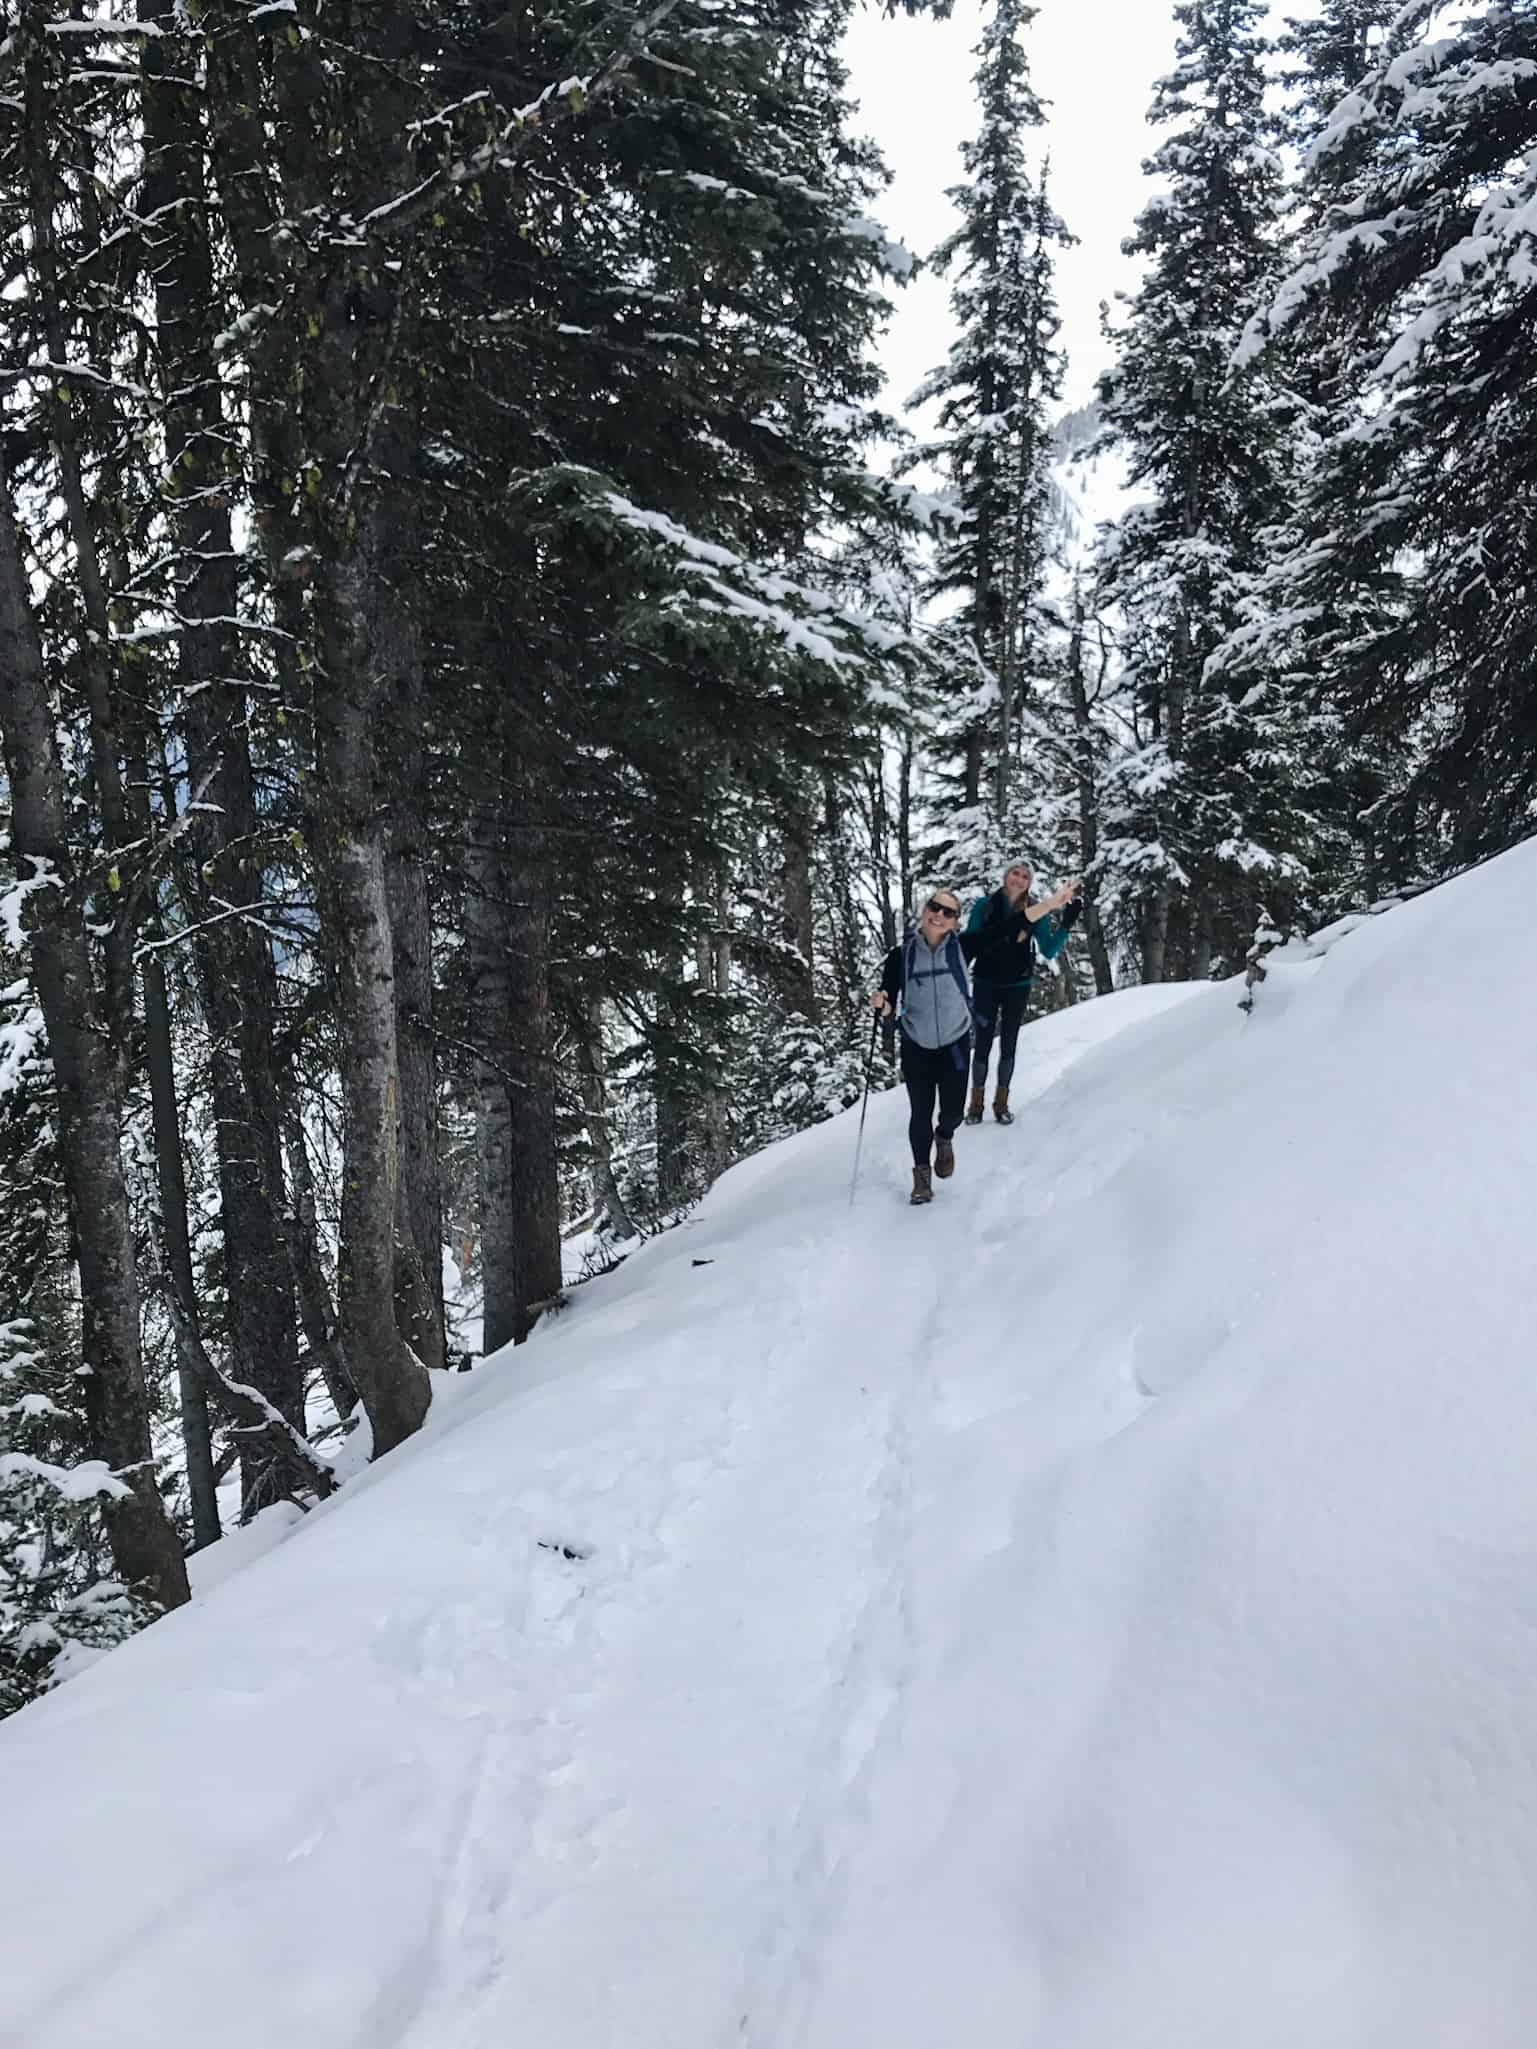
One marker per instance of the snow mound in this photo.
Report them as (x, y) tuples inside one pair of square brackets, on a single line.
[(1097, 1612)]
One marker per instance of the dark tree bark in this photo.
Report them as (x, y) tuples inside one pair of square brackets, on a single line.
[(170, 1173), (712, 971), (317, 1312), (592, 1066), (905, 826), (846, 947), (799, 925), (880, 838), (1202, 945), (488, 943), (1155, 935), (976, 747), (1155, 924), (676, 1115), (279, 1459), (72, 409), (348, 836), (223, 871), (536, 1184), (1088, 799), (419, 1200), (144, 1545), (507, 932)]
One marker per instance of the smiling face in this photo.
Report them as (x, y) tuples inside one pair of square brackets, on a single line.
[(1016, 882), (939, 916)]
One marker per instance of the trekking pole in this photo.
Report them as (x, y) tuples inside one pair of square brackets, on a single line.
[(875, 1025)]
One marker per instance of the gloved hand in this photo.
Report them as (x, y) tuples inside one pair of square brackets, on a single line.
[(1068, 916)]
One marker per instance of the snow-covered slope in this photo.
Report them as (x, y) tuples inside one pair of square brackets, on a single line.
[(1099, 1612)]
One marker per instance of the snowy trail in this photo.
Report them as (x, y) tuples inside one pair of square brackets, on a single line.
[(611, 1674), (1099, 1609)]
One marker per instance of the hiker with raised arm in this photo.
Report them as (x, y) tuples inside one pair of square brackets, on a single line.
[(923, 982), (1009, 932)]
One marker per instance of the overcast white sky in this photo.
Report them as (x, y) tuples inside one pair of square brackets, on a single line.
[(1095, 61)]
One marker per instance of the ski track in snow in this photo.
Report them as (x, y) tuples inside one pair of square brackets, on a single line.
[(529, 1771), (543, 1668)]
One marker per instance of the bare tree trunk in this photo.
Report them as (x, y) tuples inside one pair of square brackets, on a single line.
[(905, 826), (721, 945), (238, 993), (236, 979), (196, 1430), (535, 1176), (487, 946), (712, 960), (317, 1312), (593, 1068), (880, 842), (1201, 946), (145, 1549), (324, 391), (798, 927), (976, 741), (349, 839), (1088, 799), (1155, 933), (419, 1206), (54, 306), (171, 1186), (675, 1108), (846, 947), (281, 1457)]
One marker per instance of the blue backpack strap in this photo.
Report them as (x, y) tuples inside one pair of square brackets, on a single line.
[(955, 960), (909, 966)]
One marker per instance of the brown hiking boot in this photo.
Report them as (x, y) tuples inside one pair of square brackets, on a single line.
[(1001, 1108), (974, 1107), (944, 1158), (923, 1186)]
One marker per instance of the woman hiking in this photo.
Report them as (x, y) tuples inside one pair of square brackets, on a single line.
[(924, 981), (1008, 931)]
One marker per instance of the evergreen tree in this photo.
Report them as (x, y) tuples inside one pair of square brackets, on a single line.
[(58, 1594), (1414, 287), (996, 390), (1332, 52), (1225, 770)]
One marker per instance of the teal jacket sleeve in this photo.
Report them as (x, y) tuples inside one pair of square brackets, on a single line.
[(974, 921), (1048, 944)]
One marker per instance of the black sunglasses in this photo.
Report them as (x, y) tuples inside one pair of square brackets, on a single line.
[(944, 910)]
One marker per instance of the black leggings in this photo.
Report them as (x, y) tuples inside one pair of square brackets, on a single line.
[(927, 1074), (1001, 1011)]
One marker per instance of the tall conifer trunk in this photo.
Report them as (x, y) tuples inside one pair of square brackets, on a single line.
[(237, 983), (196, 1424), (536, 1184), (593, 1066), (419, 1200), (507, 925), (487, 947), (349, 836), (1088, 800), (798, 927)]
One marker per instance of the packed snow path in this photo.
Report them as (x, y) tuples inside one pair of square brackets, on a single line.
[(1096, 1612)]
